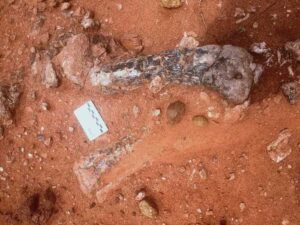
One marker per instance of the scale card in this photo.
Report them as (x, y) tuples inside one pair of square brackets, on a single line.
[(90, 120)]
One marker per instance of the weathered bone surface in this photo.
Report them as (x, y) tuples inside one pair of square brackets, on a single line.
[(90, 168), (9, 97), (227, 69)]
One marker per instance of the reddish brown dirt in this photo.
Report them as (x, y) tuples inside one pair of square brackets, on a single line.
[(166, 157)]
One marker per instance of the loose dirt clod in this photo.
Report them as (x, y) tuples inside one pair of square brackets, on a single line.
[(148, 208), (175, 112)]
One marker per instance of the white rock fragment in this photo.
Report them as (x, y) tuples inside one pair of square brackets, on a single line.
[(87, 21), (236, 113), (243, 19), (71, 129), (156, 85), (140, 196), (43, 66), (259, 48), (212, 113), (203, 174), (156, 112), (239, 13), (188, 40), (258, 70), (45, 106), (30, 155), (291, 71), (279, 149), (242, 206), (65, 6), (50, 77)]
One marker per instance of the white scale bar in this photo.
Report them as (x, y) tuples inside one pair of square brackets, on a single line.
[(90, 120)]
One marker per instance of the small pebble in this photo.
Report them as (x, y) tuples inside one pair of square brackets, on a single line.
[(1, 169), (242, 206), (203, 174), (171, 3), (87, 21), (255, 25), (65, 6), (148, 209), (48, 141), (156, 112), (231, 176), (45, 106), (71, 129), (175, 112), (140, 196), (119, 6), (200, 121)]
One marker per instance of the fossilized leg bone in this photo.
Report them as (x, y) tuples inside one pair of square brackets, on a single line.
[(227, 69), (90, 168)]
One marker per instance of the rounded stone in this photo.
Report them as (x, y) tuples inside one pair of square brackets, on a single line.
[(148, 209), (171, 3), (200, 121), (175, 112)]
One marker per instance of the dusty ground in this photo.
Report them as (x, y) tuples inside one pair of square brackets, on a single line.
[(242, 184)]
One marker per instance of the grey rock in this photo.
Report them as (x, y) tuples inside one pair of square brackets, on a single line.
[(43, 66), (294, 46), (290, 91), (227, 69)]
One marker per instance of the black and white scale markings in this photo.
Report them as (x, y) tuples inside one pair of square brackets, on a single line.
[(95, 117), (90, 120)]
